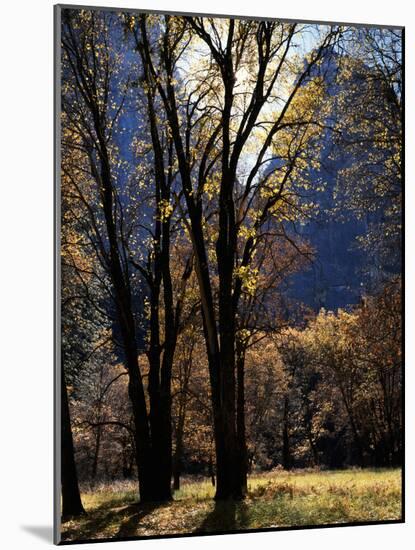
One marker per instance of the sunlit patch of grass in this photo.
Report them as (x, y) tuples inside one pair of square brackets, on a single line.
[(109, 495), (301, 498), (275, 499), (199, 490)]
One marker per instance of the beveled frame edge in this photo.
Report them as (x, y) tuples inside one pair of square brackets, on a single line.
[(57, 374), (228, 16), (57, 8)]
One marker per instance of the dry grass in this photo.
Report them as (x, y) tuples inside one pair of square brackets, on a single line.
[(275, 499)]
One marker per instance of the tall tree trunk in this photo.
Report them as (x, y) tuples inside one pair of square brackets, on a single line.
[(160, 390), (220, 347), (221, 361), (161, 365), (177, 459), (211, 472), (98, 433), (94, 468), (286, 453), (143, 450), (154, 391), (150, 469), (358, 446), (71, 498), (171, 323), (307, 419), (185, 378), (229, 461), (222, 380), (147, 468), (240, 419)]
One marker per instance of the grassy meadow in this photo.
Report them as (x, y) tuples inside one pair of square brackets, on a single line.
[(275, 499)]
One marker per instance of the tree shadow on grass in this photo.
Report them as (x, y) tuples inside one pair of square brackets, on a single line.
[(226, 515), (138, 512), (109, 523)]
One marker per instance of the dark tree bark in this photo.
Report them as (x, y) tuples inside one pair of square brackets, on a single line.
[(71, 498), (286, 453), (358, 446), (211, 472), (240, 418), (94, 468), (177, 458), (125, 316)]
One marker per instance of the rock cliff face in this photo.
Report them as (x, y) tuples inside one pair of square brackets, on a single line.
[(336, 278), (341, 271)]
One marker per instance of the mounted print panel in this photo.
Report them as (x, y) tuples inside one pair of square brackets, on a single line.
[(228, 274)]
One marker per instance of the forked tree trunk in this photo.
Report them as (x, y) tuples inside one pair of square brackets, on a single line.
[(220, 344), (149, 462), (152, 462)]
